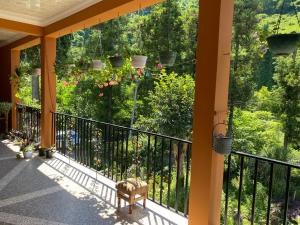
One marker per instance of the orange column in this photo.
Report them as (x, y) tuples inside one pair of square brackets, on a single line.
[(15, 62), (212, 80), (48, 56)]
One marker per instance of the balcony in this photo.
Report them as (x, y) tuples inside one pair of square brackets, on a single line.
[(91, 156)]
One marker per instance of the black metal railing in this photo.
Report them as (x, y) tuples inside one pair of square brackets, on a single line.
[(28, 121), (118, 152), (259, 190)]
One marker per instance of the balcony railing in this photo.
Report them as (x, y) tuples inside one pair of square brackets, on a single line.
[(28, 121), (118, 152), (257, 190)]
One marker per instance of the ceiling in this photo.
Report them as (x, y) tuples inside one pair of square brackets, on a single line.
[(37, 12), (7, 37)]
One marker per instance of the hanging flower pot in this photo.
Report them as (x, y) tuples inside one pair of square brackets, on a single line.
[(37, 72), (98, 65), (222, 144), (167, 58), (283, 44), (116, 61), (139, 61)]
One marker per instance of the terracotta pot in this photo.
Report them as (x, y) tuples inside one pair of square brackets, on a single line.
[(98, 65), (167, 58), (139, 61), (116, 61), (283, 44)]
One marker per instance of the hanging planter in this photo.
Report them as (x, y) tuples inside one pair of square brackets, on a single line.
[(116, 61), (98, 65), (222, 144), (167, 58), (283, 44), (37, 72), (139, 61)]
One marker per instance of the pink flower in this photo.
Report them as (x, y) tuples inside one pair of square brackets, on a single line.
[(100, 86), (110, 83), (75, 82), (66, 83), (140, 72), (101, 94), (159, 66), (105, 84)]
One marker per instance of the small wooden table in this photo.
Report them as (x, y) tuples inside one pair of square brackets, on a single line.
[(129, 189)]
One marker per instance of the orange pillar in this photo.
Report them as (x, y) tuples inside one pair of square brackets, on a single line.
[(15, 62), (48, 56), (212, 80)]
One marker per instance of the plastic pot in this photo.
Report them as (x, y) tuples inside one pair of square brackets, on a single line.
[(98, 65), (222, 144), (42, 152), (27, 155), (116, 61), (167, 58), (283, 44), (139, 61), (37, 72)]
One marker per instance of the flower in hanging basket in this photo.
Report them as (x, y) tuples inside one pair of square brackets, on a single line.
[(110, 83), (100, 86), (159, 66), (75, 82), (140, 72), (66, 83), (105, 84), (101, 94)]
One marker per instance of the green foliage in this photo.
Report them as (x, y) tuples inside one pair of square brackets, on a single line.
[(171, 104)]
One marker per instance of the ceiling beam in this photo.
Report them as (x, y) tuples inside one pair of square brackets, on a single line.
[(26, 42), (19, 27), (98, 13)]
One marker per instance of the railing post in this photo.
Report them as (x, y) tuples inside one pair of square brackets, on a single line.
[(211, 93), (15, 61), (48, 56)]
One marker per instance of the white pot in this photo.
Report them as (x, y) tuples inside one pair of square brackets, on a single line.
[(37, 72), (27, 155), (98, 65), (139, 61)]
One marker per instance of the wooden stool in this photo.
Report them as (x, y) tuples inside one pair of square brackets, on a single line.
[(127, 190)]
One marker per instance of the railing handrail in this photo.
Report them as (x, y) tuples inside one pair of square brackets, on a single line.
[(28, 106), (262, 158), (123, 127)]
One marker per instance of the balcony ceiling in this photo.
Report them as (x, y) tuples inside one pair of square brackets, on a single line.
[(7, 37), (41, 12)]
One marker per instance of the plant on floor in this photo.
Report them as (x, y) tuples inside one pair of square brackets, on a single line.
[(50, 151), (5, 108), (28, 150)]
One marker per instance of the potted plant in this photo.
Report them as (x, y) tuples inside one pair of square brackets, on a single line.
[(27, 151), (49, 152), (222, 144)]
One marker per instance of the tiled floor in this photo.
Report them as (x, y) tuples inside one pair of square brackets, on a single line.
[(54, 192)]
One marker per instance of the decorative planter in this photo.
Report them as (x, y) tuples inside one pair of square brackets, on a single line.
[(167, 58), (139, 61), (98, 65), (283, 44), (49, 154), (27, 155), (222, 144), (116, 61)]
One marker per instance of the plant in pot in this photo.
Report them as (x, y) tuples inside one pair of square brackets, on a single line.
[(97, 61), (5, 108), (28, 151), (284, 43), (49, 152)]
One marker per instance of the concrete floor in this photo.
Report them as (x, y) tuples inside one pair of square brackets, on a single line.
[(59, 192)]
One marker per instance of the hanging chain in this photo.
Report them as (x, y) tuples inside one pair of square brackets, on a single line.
[(296, 13), (280, 17)]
